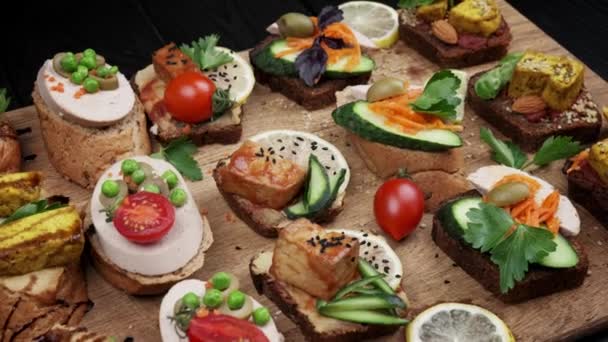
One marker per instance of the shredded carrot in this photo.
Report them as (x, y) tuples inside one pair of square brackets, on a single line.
[(577, 161), (80, 93), (58, 87)]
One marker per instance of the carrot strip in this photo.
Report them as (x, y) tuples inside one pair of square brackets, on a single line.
[(577, 161)]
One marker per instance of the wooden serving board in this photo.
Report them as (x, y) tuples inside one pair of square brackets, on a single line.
[(429, 275)]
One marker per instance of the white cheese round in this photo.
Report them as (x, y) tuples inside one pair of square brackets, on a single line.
[(99, 109), (169, 254), (167, 327)]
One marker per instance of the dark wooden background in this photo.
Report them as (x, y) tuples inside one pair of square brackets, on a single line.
[(126, 32)]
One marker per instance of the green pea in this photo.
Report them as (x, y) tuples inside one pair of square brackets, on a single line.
[(103, 71), (171, 178), (128, 166), (178, 197), (212, 298), (236, 300), (221, 281), (114, 70), (82, 69), (89, 52), (261, 316), (78, 77), (191, 300), (91, 85), (89, 62), (68, 62), (110, 188), (152, 188), (138, 176)]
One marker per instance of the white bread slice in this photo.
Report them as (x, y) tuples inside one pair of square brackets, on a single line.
[(80, 153)]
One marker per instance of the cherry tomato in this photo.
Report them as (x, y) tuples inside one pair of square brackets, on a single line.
[(188, 97), (144, 217), (223, 328), (398, 207)]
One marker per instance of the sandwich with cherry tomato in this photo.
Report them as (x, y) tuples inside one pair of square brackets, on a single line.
[(146, 230), (196, 91)]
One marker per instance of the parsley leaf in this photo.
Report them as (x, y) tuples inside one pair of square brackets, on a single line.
[(179, 153), (556, 148), (503, 153), (439, 96), (413, 3), (488, 225), (4, 100), (205, 54), (525, 245), (221, 102), (32, 209)]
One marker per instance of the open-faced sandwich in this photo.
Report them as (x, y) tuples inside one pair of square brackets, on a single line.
[(214, 310), (89, 115), (455, 33), (416, 126), (10, 151), (311, 59), (196, 91), (278, 176), (531, 96), (146, 230), (41, 241), (513, 234), (334, 284)]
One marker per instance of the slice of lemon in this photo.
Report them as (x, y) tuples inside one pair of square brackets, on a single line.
[(377, 21), (236, 76), (457, 322)]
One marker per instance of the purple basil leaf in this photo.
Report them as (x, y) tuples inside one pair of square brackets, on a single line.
[(311, 64), (329, 15), (333, 43)]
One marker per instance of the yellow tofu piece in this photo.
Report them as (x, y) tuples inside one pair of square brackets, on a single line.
[(435, 11), (51, 238), (18, 189), (598, 159), (557, 79), (313, 260), (476, 16)]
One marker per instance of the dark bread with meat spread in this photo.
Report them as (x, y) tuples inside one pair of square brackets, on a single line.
[(590, 192)]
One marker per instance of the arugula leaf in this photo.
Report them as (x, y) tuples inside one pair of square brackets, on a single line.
[(556, 148), (5, 101), (32, 209), (501, 152), (439, 96), (487, 227), (413, 3), (523, 246), (179, 153), (491, 83), (221, 102), (205, 54)]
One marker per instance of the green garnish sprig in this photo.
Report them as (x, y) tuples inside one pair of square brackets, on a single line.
[(32, 209), (493, 81), (5, 101), (407, 4), (439, 97), (205, 54), (221, 102), (179, 153)]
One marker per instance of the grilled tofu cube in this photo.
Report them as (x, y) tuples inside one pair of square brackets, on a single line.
[(170, 61), (313, 260), (18, 189), (47, 239), (598, 159), (557, 79), (255, 174), (432, 12), (476, 16)]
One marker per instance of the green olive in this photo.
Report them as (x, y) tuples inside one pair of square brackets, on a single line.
[(106, 83), (99, 59), (386, 88), (508, 193), (295, 25), (57, 65)]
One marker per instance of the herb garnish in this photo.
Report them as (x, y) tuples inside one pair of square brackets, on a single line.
[(221, 102), (439, 96), (407, 4), (179, 153), (205, 54), (4, 100), (491, 83), (32, 209), (509, 154), (512, 246), (329, 15)]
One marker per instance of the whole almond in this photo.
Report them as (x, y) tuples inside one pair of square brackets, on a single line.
[(529, 104), (444, 31)]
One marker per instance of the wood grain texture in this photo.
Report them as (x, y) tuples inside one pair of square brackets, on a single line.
[(429, 275)]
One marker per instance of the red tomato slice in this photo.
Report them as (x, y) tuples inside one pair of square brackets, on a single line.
[(189, 97), (223, 328), (398, 207), (144, 217)]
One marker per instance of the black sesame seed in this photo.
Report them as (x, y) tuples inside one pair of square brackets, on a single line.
[(325, 148), (374, 258), (295, 143), (376, 266), (313, 148), (332, 157), (397, 276), (327, 167), (348, 245), (293, 152), (282, 148), (280, 140), (386, 269), (376, 246), (369, 244), (274, 161), (446, 281), (300, 138), (365, 235), (385, 261), (235, 65), (267, 159), (366, 253), (226, 80), (234, 78)]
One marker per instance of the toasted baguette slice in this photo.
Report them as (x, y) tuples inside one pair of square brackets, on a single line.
[(589, 192), (63, 333), (295, 304), (418, 35), (321, 95), (137, 284), (584, 127), (81, 154), (539, 281)]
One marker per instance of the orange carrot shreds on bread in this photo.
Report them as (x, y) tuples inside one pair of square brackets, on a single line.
[(577, 161)]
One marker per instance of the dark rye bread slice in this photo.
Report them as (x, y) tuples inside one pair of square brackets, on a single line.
[(321, 95), (265, 221), (587, 189), (539, 281), (417, 34), (296, 304), (582, 121)]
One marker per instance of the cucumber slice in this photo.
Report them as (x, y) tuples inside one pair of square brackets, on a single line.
[(317, 192), (358, 118), (365, 302), (364, 316), (564, 255), (356, 285), (334, 184), (297, 210), (338, 69), (453, 216), (368, 270), (302, 209)]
